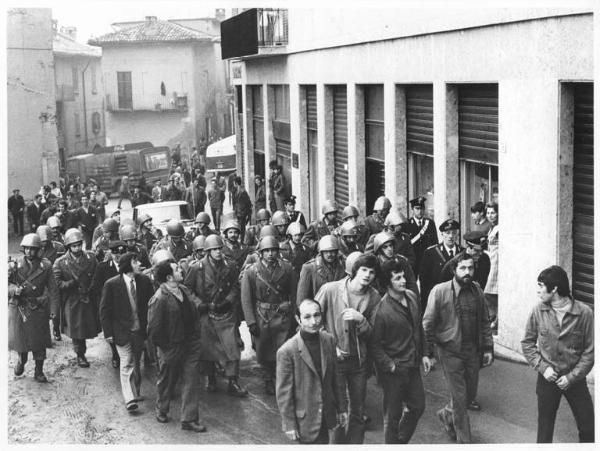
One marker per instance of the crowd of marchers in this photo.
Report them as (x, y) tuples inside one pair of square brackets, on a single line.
[(328, 306)]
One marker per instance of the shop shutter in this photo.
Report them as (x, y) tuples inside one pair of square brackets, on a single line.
[(583, 194), (419, 119), (478, 123), (311, 107), (340, 145), (241, 130)]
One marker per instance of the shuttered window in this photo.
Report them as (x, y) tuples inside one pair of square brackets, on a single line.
[(478, 123), (312, 147), (281, 132), (258, 127), (374, 144), (340, 145), (124, 90), (583, 193), (419, 119)]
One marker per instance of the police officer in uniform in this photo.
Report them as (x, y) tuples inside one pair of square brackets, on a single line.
[(349, 239), (351, 215), (175, 241), (436, 256), (268, 302), (110, 232), (374, 222), (263, 218), (422, 230), (50, 249), (73, 273), (147, 234), (328, 266), (32, 298), (54, 223), (215, 281), (394, 224), (128, 234), (322, 227), (293, 250), (281, 221), (233, 250), (196, 255)]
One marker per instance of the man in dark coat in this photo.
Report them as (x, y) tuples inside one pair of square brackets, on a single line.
[(123, 315), (51, 250), (242, 205), (422, 230), (34, 212), (74, 272), (436, 256), (87, 220), (374, 222), (16, 205), (214, 280), (195, 196), (268, 300), (309, 395), (32, 294)]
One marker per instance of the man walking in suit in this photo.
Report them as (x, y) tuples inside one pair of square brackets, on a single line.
[(34, 212), (123, 314), (16, 205), (309, 395), (87, 220), (422, 230)]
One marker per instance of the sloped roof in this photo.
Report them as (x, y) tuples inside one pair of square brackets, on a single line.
[(64, 45), (151, 31)]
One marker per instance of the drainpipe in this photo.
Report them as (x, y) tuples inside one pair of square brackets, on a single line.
[(85, 128)]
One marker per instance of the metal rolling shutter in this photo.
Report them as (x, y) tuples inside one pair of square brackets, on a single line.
[(583, 194), (311, 107), (419, 119), (340, 145), (478, 123)]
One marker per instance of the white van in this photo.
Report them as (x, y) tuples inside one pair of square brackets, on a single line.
[(221, 156)]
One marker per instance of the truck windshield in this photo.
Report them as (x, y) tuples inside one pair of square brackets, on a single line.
[(156, 161)]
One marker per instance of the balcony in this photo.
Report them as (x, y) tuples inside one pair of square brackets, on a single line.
[(255, 32), (157, 103)]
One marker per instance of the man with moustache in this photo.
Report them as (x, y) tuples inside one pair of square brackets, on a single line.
[(309, 395), (457, 322)]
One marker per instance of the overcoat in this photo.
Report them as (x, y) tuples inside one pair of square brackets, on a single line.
[(54, 250), (315, 273), (317, 230), (39, 297), (296, 254), (422, 238)]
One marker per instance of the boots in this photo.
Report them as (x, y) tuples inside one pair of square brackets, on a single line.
[(234, 388), (82, 361), (39, 371), (20, 366), (56, 329), (211, 383), (116, 360)]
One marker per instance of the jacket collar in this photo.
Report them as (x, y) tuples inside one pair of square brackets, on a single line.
[(574, 310), (305, 354)]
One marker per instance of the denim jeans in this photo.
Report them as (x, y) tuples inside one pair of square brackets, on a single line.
[(353, 378), (403, 387), (580, 401)]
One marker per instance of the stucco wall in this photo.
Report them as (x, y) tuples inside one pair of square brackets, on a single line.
[(32, 150)]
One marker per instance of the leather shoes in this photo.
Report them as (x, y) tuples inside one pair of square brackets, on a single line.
[(161, 417), (57, 335), (116, 363), (211, 384), (474, 405), (448, 426), (19, 368), (131, 406), (82, 362), (234, 389), (193, 426), (269, 387)]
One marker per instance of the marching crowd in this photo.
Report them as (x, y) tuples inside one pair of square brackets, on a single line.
[(328, 305)]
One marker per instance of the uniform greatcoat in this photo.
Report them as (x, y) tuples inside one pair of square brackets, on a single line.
[(315, 273)]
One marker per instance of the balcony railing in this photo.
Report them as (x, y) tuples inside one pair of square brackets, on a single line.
[(257, 31), (138, 102)]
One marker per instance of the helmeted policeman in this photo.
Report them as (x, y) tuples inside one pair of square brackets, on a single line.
[(375, 222), (251, 237), (54, 223), (73, 273), (196, 255), (254, 256), (349, 238), (322, 227), (281, 221), (128, 234), (268, 301), (32, 298), (175, 241), (233, 250), (110, 232), (147, 233), (384, 247), (327, 266), (394, 224), (215, 281), (351, 215), (293, 250), (201, 227)]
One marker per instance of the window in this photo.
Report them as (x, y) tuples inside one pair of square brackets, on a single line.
[(75, 72), (479, 183), (156, 161), (124, 90), (420, 179), (374, 144), (77, 125), (94, 83)]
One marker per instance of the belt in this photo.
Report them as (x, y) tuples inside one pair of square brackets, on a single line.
[(272, 305)]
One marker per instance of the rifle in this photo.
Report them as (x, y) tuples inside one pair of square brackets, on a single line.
[(13, 275)]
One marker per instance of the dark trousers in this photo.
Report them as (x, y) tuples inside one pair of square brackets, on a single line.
[(353, 378), (268, 370), (242, 221), (461, 371), (322, 438), (18, 223), (403, 387), (79, 346), (580, 401), (216, 217), (37, 355), (231, 368)]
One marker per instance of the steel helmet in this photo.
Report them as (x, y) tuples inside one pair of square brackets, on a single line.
[(268, 242), (127, 232), (162, 255), (394, 218), (380, 239), (268, 230), (127, 221), (231, 224), (53, 221), (31, 240), (295, 228), (328, 243), (144, 217), (350, 259), (382, 203), (213, 242), (349, 212), (348, 229), (202, 217), (280, 219), (263, 214), (73, 236), (198, 243), (330, 206), (44, 232), (175, 228), (110, 225)]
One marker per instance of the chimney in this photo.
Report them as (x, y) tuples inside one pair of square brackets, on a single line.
[(220, 14), (150, 18), (69, 31)]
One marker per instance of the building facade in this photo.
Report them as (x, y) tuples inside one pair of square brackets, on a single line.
[(79, 95), (164, 83), (32, 151), (493, 105)]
